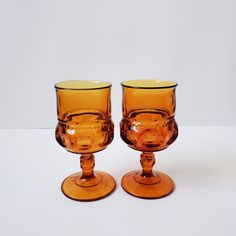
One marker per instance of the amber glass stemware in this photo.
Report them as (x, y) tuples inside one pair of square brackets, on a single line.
[(148, 125), (85, 127)]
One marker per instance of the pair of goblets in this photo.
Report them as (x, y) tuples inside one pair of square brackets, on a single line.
[(85, 127)]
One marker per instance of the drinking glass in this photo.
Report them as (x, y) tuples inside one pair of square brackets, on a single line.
[(148, 125), (85, 127)]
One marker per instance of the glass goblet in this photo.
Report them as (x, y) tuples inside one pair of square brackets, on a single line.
[(85, 127), (148, 125)]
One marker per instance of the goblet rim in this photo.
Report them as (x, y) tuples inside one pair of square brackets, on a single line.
[(153, 84), (82, 85)]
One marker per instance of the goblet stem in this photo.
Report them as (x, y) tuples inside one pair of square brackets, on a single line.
[(147, 176), (147, 160), (87, 164), (87, 178)]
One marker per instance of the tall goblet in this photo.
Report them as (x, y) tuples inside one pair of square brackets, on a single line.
[(85, 127), (148, 125)]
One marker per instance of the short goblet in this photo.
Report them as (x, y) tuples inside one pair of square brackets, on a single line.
[(148, 125), (85, 127)]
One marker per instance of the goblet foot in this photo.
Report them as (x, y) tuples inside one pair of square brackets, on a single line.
[(150, 187), (98, 186)]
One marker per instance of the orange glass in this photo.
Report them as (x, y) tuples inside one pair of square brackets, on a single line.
[(148, 125), (85, 127)]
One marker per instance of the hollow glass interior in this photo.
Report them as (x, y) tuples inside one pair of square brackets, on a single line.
[(82, 84), (149, 83), (148, 114), (84, 116)]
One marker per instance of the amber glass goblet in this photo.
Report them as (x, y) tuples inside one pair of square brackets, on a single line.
[(85, 127), (148, 125)]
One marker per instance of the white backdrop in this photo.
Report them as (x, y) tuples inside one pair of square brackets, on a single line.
[(191, 42)]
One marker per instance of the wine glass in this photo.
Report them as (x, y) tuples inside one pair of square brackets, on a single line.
[(85, 127), (148, 125)]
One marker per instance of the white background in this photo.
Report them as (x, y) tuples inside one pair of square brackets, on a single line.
[(191, 42)]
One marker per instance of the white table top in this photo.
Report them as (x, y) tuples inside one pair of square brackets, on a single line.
[(202, 162)]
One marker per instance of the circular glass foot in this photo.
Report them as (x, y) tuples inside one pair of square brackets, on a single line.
[(78, 188), (156, 186)]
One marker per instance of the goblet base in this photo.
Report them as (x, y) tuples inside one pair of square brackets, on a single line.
[(80, 189), (156, 186)]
